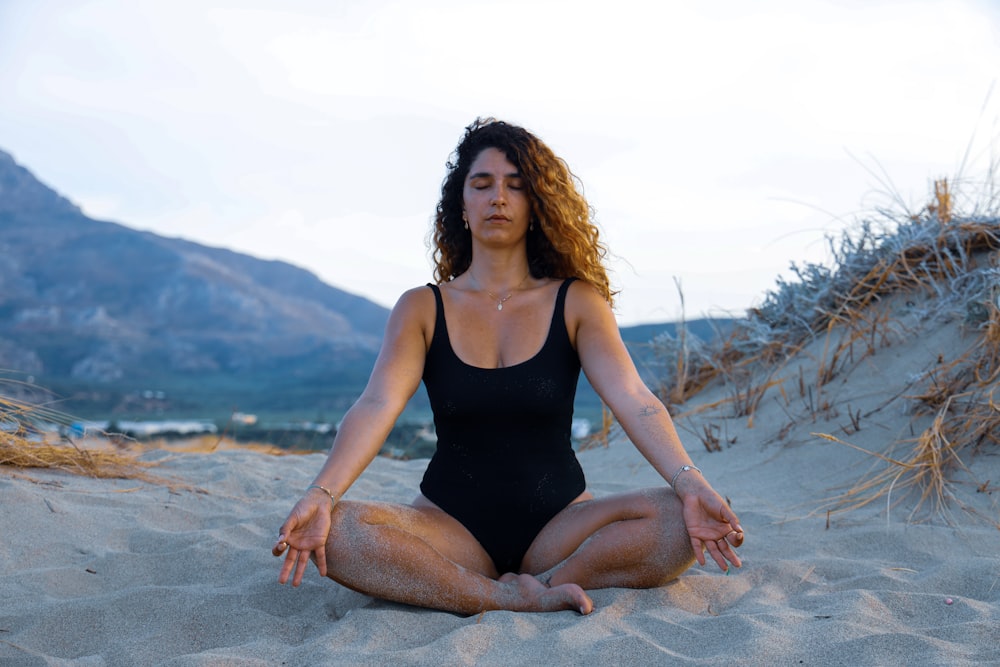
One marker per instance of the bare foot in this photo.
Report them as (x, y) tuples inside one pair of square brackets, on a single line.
[(529, 594)]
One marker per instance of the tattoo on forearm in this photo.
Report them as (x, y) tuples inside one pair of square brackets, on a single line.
[(649, 411)]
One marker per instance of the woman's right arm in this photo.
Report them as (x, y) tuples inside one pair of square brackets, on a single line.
[(393, 380)]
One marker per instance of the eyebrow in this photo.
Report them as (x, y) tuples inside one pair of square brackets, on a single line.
[(483, 174)]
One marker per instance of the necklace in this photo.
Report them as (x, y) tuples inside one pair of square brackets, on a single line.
[(502, 300)]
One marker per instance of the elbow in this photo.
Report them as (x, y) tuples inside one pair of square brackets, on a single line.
[(379, 403), (629, 398)]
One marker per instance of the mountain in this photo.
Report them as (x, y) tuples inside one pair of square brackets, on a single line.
[(115, 319), (126, 324)]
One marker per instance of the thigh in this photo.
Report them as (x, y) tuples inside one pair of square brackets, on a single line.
[(574, 525), (422, 520), (452, 539)]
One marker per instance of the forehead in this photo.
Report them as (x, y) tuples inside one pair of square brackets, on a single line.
[(491, 161)]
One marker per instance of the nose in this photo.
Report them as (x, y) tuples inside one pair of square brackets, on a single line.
[(498, 197)]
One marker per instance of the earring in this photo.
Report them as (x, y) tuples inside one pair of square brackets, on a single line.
[(466, 225), (465, 217), (531, 226)]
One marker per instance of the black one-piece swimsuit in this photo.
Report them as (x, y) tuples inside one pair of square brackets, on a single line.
[(504, 464)]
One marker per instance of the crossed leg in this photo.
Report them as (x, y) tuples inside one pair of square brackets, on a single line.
[(627, 540), (420, 555)]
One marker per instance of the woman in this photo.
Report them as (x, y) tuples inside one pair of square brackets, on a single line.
[(504, 520)]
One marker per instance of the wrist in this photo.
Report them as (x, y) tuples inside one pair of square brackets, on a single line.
[(325, 490), (684, 471)]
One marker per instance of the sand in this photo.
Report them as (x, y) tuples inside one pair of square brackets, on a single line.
[(119, 572)]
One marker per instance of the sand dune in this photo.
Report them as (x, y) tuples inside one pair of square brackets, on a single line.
[(125, 572), (119, 572)]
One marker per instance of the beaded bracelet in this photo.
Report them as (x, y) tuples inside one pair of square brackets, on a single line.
[(325, 490), (684, 468)]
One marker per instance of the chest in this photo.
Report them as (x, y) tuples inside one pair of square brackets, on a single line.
[(485, 336)]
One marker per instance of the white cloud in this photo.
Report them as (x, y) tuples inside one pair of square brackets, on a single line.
[(717, 141)]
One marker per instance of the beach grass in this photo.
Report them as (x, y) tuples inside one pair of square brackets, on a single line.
[(31, 438), (940, 261), (27, 441)]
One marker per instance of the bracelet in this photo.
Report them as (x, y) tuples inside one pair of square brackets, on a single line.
[(323, 489), (684, 468)]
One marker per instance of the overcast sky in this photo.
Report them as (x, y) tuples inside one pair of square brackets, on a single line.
[(717, 141)]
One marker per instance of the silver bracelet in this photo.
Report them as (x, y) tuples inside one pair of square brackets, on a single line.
[(325, 490), (684, 468)]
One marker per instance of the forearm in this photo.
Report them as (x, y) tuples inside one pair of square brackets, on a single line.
[(650, 428)]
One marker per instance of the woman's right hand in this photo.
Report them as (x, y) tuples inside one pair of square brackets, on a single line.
[(304, 535)]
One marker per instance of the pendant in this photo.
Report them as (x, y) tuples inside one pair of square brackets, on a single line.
[(500, 306)]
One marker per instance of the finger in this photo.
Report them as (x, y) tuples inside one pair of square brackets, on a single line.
[(734, 521), (300, 567), (729, 554), (716, 554), (286, 568), (320, 559), (699, 550), (279, 546)]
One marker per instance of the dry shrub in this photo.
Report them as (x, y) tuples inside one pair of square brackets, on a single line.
[(926, 469), (19, 452), (23, 444), (932, 456), (949, 380), (939, 254), (961, 396)]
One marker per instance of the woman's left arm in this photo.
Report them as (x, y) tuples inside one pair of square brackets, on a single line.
[(711, 523)]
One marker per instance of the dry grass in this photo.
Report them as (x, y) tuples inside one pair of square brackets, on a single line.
[(926, 469), (960, 395), (20, 453), (950, 261), (24, 445)]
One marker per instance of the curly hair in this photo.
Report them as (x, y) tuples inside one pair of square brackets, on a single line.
[(563, 243)]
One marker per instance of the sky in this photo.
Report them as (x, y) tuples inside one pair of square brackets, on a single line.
[(717, 142)]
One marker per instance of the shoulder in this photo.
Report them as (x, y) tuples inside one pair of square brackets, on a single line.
[(417, 297), (583, 298), (415, 309), (587, 309)]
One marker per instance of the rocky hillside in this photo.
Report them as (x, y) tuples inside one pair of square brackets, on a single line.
[(106, 315), (120, 323)]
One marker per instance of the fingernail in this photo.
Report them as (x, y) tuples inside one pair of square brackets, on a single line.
[(739, 528)]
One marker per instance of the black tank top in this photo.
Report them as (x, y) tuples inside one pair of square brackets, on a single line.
[(504, 454)]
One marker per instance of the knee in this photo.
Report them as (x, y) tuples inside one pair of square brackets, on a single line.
[(345, 519), (350, 527), (674, 551), (662, 504)]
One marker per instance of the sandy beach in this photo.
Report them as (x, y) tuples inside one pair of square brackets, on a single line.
[(126, 572)]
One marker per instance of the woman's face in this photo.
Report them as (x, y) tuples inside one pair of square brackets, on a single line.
[(495, 199)]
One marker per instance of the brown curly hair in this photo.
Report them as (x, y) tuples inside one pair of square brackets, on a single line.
[(564, 242)]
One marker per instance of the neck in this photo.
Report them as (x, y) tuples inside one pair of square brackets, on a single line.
[(499, 270), (499, 282)]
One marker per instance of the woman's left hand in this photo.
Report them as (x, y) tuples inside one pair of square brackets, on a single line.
[(711, 524)]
